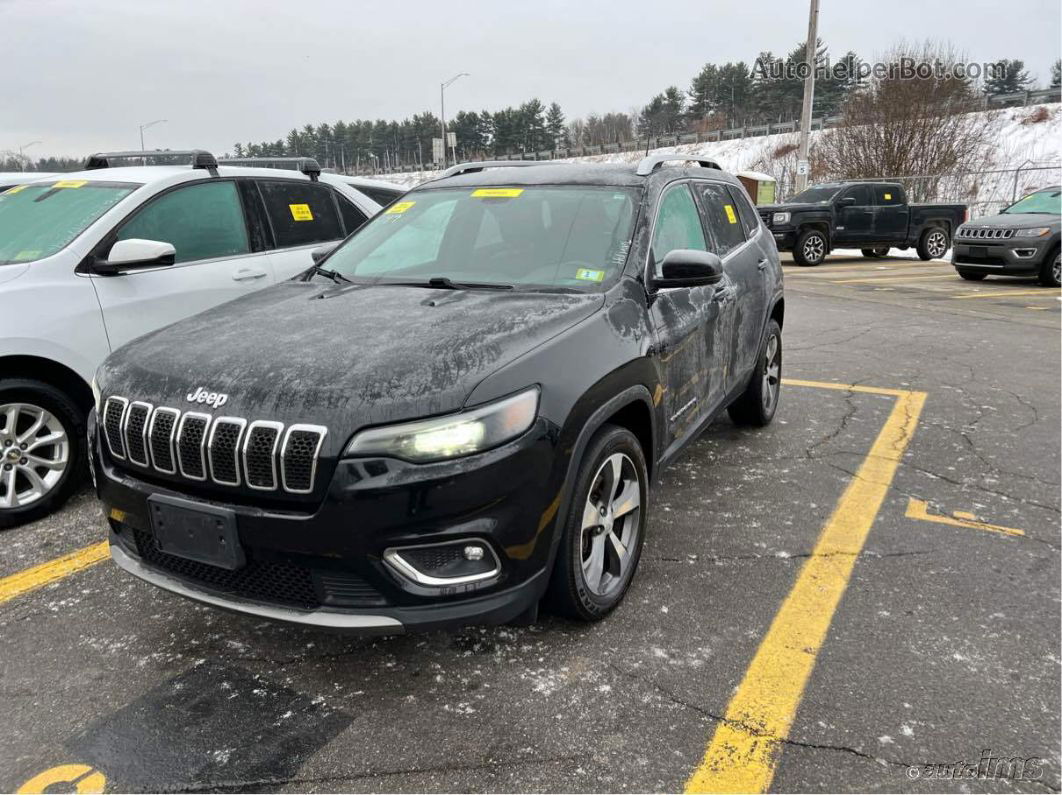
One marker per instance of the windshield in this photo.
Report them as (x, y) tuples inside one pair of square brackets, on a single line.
[(38, 220), (1045, 202), (545, 236), (819, 194)]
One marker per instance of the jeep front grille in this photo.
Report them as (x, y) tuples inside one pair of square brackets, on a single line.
[(263, 455), (987, 233)]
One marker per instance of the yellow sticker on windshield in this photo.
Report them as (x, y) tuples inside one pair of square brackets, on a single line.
[(888, 196), (398, 208), (301, 212), (496, 193), (22, 256), (14, 190), (730, 214), (70, 183), (589, 275)]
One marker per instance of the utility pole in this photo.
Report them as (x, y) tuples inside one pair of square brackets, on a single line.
[(803, 167), (144, 127), (442, 110)]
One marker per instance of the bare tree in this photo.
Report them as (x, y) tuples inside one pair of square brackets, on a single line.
[(911, 125)]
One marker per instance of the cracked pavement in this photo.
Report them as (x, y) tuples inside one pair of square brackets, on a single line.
[(945, 644)]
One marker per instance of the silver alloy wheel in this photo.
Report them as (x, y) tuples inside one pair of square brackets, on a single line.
[(34, 453), (814, 248), (772, 373), (1056, 269), (937, 244), (610, 524)]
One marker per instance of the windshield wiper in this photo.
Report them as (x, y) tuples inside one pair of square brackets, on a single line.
[(335, 276), (446, 283)]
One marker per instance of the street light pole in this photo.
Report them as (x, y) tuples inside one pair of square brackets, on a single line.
[(21, 159), (803, 167), (144, 127), (442, 111)]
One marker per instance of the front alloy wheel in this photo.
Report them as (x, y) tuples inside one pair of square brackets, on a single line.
[(42, 453), (810, 248), (1051, 272), (602, 533)]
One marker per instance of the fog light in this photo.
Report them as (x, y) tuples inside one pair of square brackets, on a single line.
[(448, 563)]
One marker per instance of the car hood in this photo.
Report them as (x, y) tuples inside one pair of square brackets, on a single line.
[(341, 357), (1017, 220), (790, 208)]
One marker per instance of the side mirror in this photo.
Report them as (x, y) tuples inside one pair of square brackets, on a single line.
[(321, 252), (847, 201), (684, 267), (136, 253)]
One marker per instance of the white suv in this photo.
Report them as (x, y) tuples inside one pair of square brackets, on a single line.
[(90, 260)]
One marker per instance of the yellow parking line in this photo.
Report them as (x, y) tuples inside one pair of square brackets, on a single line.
[(38, 576), (1009, 293), (744, 750)]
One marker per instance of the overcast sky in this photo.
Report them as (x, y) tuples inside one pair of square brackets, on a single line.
[(81, 75)]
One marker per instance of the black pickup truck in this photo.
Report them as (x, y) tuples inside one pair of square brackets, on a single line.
[(872, 216)]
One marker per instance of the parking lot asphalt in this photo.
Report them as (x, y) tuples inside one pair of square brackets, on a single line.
[(858, 598)]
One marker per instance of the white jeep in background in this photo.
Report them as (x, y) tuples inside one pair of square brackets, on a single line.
[(93, 259)]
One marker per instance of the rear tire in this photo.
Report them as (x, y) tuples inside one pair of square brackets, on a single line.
[(42, 449), (933, 244), (811, 248), (758, 403), (1049, 271), (972, 276), (603, 531)]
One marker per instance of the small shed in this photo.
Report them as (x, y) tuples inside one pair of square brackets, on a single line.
[(761, 187)]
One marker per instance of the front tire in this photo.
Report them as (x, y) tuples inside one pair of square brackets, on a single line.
[(811, 248), (1050, 270), (758, 403), (42, 449), (933, 244), (603, 532), (971, 276)]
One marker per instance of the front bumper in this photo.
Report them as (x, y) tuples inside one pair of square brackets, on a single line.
[(1015, 256), (784, 238), (326, 566)]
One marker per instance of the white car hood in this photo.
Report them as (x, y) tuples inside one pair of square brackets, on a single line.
[(9, 272)]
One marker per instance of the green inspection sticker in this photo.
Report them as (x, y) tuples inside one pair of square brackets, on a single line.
[(588, 275)]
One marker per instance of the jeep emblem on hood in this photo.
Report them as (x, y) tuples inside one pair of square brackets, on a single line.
[(215, 399)]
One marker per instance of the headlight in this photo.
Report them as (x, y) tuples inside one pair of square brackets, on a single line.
[(453, 436), (95, 394), (780, 218), (1038, 231)]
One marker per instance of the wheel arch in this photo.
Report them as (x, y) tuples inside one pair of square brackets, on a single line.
[(50, 372)]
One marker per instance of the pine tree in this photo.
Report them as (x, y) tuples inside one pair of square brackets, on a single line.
[(1009, 77), (555, 127), (1056, 73)]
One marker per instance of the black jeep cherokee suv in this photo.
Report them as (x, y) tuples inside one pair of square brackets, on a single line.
[(457, 412)]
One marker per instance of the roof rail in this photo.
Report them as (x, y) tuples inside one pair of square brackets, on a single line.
[(650, 163), (470, 168), (197, 158), (307, 165)]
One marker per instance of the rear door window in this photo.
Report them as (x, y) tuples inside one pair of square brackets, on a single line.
[(301, 213), (888, 195), (201, 221), (750, 220), (721, 212)]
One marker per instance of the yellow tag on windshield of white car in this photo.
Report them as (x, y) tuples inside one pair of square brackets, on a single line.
[(496, 193), (70, 183), (14, 190), (399, 208), (301, 212), (888, 196), (730, 214), (22, 256), (589, 275)]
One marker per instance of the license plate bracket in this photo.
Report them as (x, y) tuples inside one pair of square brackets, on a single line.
[(196, 531), (980, 252)]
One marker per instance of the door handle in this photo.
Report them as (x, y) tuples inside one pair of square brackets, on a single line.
[(762, 264), (724, 294), (243, 274)]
